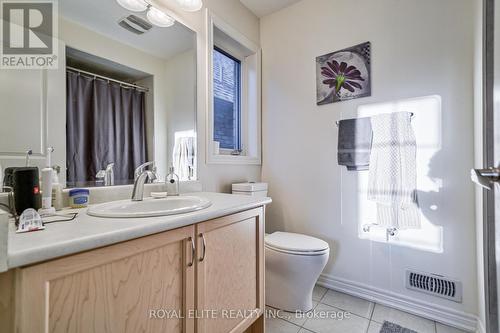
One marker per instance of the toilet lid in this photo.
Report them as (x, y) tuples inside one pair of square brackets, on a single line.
[(288, 241)]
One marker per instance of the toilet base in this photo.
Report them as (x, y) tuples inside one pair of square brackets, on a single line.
[(291, 304), (290, 279)]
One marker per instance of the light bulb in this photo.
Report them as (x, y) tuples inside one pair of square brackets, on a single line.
[(190, 5), (133, 5), (159, 18)]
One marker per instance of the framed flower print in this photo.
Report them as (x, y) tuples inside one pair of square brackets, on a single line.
[(344, 74)]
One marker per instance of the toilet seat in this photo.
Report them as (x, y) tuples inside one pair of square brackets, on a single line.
[(296, 244)]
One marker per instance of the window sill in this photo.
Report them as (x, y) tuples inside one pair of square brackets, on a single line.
[(229, 152), (233, 159)]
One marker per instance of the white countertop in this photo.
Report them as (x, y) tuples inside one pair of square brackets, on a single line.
[(87, 232)]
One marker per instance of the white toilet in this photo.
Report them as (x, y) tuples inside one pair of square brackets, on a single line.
[(293, 262), (293, 265)]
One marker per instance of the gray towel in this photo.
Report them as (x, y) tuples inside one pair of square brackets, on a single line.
[(355, 143)]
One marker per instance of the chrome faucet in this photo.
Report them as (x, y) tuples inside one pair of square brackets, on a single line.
[(109, 178), (140, 169), (138, 191)]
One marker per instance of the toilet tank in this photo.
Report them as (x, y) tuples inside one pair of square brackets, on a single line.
[(253, 189)]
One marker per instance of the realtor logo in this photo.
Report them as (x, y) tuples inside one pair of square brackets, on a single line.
[(29, 34)]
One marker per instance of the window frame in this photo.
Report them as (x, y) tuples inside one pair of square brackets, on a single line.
[(250, 98)]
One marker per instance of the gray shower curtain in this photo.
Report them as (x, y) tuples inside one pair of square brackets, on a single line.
[(105, 123)]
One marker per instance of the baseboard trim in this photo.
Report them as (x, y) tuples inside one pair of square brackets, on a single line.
[(444, 315), (480, 326)]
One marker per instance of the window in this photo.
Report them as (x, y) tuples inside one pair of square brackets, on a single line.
[(227, 101), (233, 133)]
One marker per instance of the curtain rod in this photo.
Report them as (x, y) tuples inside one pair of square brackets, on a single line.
[(122, 83)]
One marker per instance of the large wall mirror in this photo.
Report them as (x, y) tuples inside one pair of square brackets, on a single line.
[(124, 94)]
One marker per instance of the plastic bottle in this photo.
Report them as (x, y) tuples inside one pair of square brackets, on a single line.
[(47, 174), (172, 182), (57, 201)]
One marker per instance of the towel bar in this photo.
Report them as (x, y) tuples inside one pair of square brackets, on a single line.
[(411, 116)]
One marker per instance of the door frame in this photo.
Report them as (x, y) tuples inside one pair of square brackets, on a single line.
[(490, 241)]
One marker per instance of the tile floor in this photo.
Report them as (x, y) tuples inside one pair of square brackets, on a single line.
[(365, 317)]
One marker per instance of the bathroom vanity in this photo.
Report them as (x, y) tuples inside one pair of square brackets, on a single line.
[(196, 272)]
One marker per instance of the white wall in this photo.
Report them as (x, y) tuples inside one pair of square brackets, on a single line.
[(216, 177), (419, 48), (181, 96)]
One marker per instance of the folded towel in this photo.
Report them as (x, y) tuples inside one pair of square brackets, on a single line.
[(392, 180), (354, 144)]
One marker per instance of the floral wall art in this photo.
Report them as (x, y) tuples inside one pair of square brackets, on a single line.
[(343, 75)]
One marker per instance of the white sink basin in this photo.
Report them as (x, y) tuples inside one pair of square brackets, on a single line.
[(149, 207)]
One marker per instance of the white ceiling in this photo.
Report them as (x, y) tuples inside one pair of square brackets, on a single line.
[(102, 16), (265, 7)]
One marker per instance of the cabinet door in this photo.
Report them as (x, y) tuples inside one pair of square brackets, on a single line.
[(128, 287), (230, 272)]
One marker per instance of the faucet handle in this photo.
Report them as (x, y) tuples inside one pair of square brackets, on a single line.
[(140, 169), (151, 176)]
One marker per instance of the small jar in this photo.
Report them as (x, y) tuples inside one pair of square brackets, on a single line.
[(79, 198)]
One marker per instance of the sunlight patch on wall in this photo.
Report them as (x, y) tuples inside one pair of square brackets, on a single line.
[(427, 127)]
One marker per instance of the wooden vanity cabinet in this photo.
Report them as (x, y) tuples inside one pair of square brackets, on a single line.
[(159, 283), (112, 289)]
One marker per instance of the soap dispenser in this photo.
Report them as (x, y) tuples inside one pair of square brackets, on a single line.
[(172, 182)]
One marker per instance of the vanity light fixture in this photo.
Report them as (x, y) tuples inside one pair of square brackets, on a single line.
[(134, 5), (190, 5), (159, 18), (154, 15)]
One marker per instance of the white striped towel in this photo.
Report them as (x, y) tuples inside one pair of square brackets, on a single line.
[(392, 180)]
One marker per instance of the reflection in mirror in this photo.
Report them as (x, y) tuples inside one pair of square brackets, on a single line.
[(106, 113), (124, 94)]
